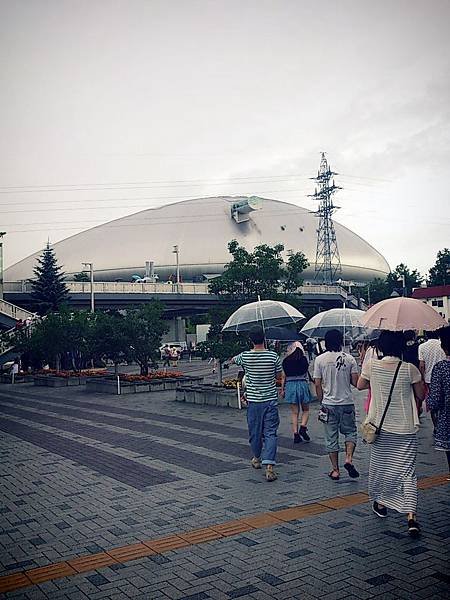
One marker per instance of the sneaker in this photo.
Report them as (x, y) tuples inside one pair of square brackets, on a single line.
[(256, 463), (302, 432), (413, 528), (297, 438), (380, 511), (270, 473)]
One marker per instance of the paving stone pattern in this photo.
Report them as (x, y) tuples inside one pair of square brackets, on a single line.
[(82, 473)]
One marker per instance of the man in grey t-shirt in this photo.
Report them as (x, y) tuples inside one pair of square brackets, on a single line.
[(334, 374)]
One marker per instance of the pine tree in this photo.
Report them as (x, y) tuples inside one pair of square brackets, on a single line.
[(48, 288)]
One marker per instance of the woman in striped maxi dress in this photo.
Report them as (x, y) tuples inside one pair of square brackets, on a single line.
[(392, 467)]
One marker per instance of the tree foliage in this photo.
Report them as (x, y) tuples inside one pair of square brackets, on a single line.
[(144, 327), (112, 340), (72, 340), (81, 276), (260, 273), (48, 288), (379, 289), (413, 279), (218, 345), (439, 273)]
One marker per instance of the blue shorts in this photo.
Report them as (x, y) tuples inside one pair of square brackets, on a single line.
[(296, 391)]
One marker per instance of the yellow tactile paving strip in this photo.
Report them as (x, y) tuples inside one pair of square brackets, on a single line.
[(92, 562)]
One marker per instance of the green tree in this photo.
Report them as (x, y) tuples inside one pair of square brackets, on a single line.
[(81, 276), (259, 273), (112, 338), (413, 279), (218, 345), (296, 264), (48, 340), (79, 338), (376, 290), (48, 288), (439, 274), (144, 328)]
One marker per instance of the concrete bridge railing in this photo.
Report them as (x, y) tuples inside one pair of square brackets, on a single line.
[(113, 287)]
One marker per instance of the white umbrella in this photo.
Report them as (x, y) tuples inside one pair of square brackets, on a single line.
[(347, 320), (266, 313)]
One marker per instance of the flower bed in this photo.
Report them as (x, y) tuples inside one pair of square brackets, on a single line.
[(53, 378), (150, 376), (132, 384)]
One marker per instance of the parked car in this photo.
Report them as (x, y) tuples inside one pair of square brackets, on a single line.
[(153, 279)]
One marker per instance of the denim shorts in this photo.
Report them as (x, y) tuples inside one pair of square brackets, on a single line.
[(296, 391), (341, 419)]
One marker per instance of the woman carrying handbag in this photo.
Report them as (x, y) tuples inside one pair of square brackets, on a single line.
[(395, 387)]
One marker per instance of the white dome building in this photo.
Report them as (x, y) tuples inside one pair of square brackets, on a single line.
[(202, 229)]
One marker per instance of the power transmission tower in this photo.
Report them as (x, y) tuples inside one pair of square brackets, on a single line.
[(328, 262)]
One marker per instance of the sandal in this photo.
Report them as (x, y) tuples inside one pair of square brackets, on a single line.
[(351, 470), (334, 477)]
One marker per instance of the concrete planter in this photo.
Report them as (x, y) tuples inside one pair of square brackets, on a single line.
[(209, 395), (104, 385), (52, 381), (188, 381), (7, 378)]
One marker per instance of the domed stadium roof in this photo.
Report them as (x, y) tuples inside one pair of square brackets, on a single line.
[(202, 229)]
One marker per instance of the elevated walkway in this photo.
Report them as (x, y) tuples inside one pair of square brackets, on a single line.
[(10, 314), (180, 299)]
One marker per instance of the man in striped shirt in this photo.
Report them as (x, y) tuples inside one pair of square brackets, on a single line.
[(261, 368)]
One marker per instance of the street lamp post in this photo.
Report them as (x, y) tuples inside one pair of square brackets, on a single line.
[(176, 251), (91, 270), (2, 233)]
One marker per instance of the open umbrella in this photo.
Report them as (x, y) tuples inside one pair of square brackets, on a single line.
[(402, 314), (347, 320), (267, 313)]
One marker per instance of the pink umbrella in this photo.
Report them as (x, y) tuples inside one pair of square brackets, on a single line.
[(402, 314)]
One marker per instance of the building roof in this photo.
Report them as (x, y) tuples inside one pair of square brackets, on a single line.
[(435, 291), (202, 228)]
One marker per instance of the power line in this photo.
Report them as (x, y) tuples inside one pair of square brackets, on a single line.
[(159, 183), (145, 184)]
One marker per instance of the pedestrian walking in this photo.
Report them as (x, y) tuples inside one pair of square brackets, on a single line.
[(411, 351), (261, 369), (335, 372), (166, 356), (438, 400), (371, 353), (310, 346), (295, 389), (429, 353), (174, 356), (395, 387)]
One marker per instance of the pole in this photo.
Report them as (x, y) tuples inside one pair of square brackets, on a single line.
[(2, 233), (92, 288), (177, 253), (91, 279)]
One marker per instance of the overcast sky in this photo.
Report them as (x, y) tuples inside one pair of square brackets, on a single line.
[(110, 107)]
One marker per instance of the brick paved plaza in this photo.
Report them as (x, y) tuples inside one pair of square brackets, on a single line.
[(85, 474)]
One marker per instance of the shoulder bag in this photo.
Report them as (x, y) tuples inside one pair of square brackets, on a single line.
[(369, 430)]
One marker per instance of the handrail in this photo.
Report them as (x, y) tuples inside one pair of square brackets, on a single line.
[(15, 312), (114, 287)]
